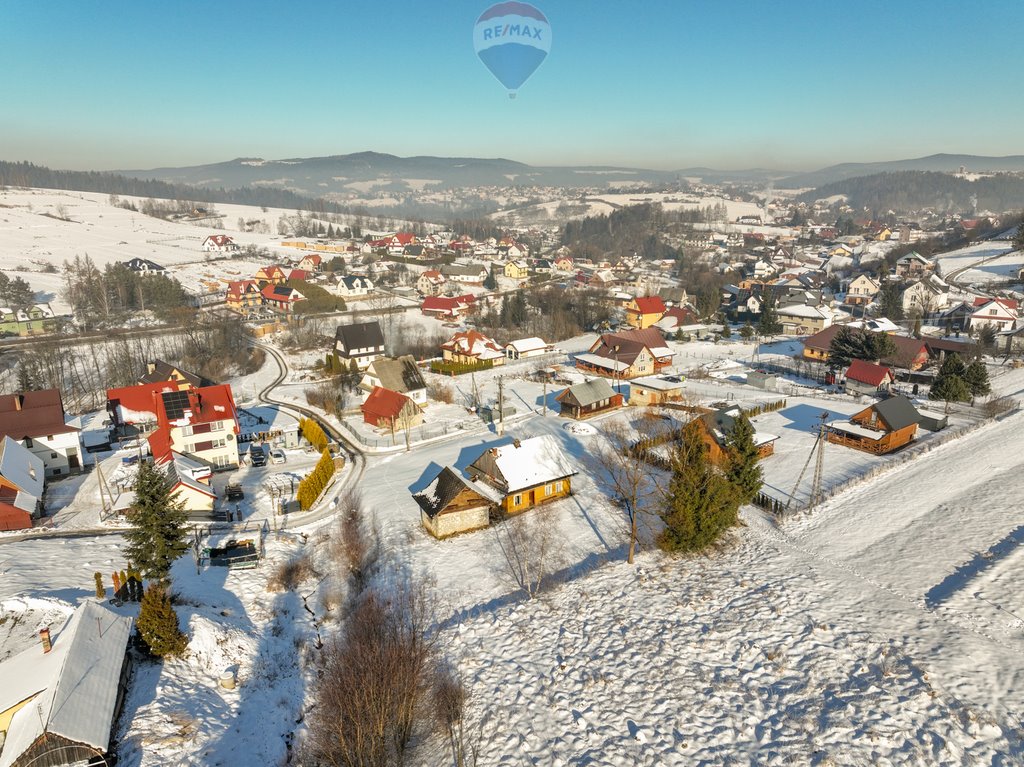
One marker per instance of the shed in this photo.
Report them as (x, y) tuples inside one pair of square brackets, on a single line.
[(761, 379), (867, 378), (451, 504), (932, 421), (653, 390), (588, 399)]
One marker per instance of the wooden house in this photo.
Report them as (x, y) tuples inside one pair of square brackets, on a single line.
[(588, 399), (390, 410), (451, 504), (524, 473), (644, 311), (626, 354), (881, 428), (716, 427)]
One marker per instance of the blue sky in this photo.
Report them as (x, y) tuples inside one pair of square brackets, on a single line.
[(788, 84)]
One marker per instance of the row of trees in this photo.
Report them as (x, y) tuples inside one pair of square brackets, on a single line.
[(101, 296), (314, 483), (960, 382), (15, 293), (313, 433)]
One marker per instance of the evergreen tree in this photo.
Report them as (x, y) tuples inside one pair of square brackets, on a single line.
[(987, 338), (976, 378), (1018, 237), (747, 331), (726, 331), (701, 503), (850, 344), (768, 323), (158, 533), (950, 384), (101, 590), (158, 623), (743, 470), (890, 301), (491, 282)]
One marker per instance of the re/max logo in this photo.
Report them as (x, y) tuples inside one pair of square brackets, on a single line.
[(509, 30)]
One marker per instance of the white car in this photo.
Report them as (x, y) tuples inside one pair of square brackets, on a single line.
[(277, 456)]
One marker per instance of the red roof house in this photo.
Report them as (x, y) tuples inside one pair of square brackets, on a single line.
[(389, 409), (444, 307), (867, 378)]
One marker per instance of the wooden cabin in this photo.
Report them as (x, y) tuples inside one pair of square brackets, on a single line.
[(525, 473), (881, 428), (451, 504), (715, 428), (588, 399)]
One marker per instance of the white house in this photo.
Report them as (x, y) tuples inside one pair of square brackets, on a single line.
[(525, 348), (400, 374), (997, 313), (219, 243), (351, 286), (37, 420), (927, 295)]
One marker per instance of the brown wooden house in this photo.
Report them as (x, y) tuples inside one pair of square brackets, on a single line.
[(881, 428), (525, 473), (715, 428), (588, 399)]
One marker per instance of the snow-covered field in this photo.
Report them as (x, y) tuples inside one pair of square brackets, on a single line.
[(981, 263)]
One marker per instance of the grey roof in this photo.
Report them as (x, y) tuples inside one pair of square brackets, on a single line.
[(590, 392), (361, 335), (463, 270), (158, 370), (400, 374), (352, 282), (898, 412)]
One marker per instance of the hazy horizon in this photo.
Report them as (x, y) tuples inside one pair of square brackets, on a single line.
[(795, 88)]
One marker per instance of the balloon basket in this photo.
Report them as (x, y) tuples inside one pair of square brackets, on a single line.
[(512, 95)]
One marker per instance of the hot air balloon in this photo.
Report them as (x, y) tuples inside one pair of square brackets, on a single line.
[(512, 39)]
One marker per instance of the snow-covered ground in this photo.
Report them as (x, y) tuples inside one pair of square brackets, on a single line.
[(981, 263)]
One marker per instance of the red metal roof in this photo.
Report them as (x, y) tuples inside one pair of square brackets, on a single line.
[(383, 404), (868, 373), (650, 304)]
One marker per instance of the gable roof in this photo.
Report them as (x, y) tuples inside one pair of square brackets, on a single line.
[(237, 288), (589, 392), (32, 414), (359, 335), (524, 464), (446, 304), (721, 422), (21, 467), (282, 293), (400, 374), (626, 346), (867, 373), (385, 403), (220, 240), (473, 343), (74, 687), (445, 487), (158, 370), (649, 304), (523, 345), (898, 412)]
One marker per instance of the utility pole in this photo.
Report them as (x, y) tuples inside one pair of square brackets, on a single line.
[(501, 405), (103, 486), (544, 402)]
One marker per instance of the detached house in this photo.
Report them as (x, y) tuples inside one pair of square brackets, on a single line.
[(281, 298), (219, 243), (273, 274), (880, 428), (997, 313), (144, 265), (397, 374), (524, 473), (644, 311), (21, 486), (445, 308), (588, 399), (37, 420), (466, 274), (472, 347), (387, 409), (311, 262), (517, 270), (862, 290), (351, 286), (867, 378), (716, 427), (431, 283), (914, 265), (361, 341), (452, 504), (243, 296), (626, 354), (28, 321), (524, 348)]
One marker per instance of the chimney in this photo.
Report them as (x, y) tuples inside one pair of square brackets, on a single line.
[(19, 399), (44, 637)]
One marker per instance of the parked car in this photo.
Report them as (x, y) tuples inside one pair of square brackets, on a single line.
[(277, 456), (234, 492), (257, 457)]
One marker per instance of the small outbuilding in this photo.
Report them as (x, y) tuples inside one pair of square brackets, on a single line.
[(761, 379), (654, 390), (867, 378), (451, 504)]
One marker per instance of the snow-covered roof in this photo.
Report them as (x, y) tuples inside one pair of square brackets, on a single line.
[(848, 427), (529, 462), (596, 360), (656, 382), (21, 467), (74, 687), (802, 310), (524, 345)]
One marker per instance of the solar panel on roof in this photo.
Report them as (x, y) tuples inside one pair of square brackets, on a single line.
[(175, 403)]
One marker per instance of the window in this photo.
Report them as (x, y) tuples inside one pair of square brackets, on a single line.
[(548, 489), (53, 455), (49, 437), (558, 487), (517, 500)]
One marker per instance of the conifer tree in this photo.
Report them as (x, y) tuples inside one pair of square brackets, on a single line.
[(743, 469), (158, 533), (101, 590), (701, 503), (158, 623), (976, 378)]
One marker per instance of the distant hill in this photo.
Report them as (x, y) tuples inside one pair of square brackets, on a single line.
[(338, 176), (915, 190), (941, 163)]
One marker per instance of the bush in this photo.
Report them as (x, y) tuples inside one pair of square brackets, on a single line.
[(440, 392), (290, 574), (313, 433), (313, 484), (459, 368)]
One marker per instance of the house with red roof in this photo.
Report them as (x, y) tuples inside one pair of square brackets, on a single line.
[(37, 420), (998, 313), (219, 243), (626, 354), (193, 431), (273, 274), (391, 410), (644, 311), (471, 347), (243, 296), (280, 298), (431, 283), (864, 377), (311, 262), (299, 274), (448, 308)]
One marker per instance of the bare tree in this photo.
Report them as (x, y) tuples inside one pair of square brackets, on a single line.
[(529, 549), (619, 469)]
